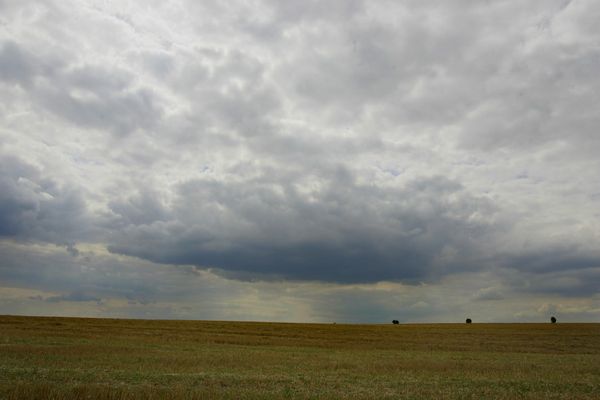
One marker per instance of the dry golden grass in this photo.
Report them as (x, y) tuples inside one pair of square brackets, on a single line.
[(64, 358)]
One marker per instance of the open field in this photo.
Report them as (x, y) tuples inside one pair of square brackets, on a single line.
[(59, 358)]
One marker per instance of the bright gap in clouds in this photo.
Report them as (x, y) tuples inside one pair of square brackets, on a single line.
[(314, 161)]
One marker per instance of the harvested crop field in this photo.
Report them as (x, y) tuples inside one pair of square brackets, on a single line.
[(64, 358)]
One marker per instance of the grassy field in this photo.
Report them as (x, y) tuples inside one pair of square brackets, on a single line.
[(63, 358)]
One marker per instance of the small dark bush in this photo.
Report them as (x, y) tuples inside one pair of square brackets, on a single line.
[(553, 320), (395, 322), (469, 320)]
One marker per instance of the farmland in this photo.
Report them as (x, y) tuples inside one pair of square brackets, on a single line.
[(63, 358)]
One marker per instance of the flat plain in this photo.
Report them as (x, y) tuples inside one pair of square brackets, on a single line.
[(77, 358)]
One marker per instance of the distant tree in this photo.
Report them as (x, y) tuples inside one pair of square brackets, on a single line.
[(553, 320), (469, 320), (395, 322)]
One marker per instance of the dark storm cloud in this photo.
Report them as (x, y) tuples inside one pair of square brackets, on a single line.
[(73, 296), (553, 259), (89, 273), (582, 283), (111, 285), (35, 207), (570, 281), (344, 231)]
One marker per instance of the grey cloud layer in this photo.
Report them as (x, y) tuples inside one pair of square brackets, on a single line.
[(339, 141), (339, 231), (33, 206), (87, 96), (100, 284)]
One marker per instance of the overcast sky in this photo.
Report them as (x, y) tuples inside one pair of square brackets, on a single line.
[(339, 160)]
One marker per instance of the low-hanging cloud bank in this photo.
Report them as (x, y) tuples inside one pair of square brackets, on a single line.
[(340, 231)]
